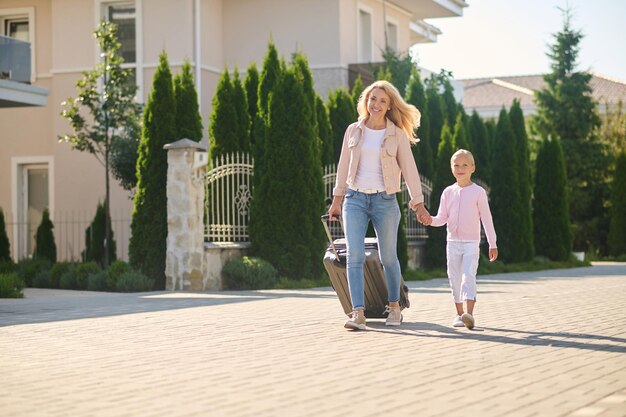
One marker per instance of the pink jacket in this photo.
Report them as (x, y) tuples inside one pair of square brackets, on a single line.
[(396, 160), (462, 209)]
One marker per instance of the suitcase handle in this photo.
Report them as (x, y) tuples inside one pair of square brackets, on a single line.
[(325, 218)]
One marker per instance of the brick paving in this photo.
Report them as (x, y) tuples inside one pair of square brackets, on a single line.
[(549, 343)]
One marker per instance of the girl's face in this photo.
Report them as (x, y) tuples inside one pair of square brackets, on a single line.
[(378, 103), (462, 168)]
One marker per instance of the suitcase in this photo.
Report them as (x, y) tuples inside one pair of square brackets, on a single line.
[(375, 284)]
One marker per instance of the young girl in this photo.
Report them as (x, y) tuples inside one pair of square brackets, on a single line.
[(463, 207)]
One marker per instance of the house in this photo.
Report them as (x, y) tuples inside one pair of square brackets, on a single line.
[(488, 95), (37, 171)]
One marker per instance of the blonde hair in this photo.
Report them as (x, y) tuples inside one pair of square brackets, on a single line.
[(405, 116), (463, 152)]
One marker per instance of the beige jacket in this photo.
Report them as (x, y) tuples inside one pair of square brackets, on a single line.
[(395, 157)]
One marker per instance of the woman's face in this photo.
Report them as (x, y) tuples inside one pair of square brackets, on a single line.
[(378, 103)]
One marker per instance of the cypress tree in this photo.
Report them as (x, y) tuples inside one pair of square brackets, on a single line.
[(422, 151), (357, 89), (240, 105), (94, 239), (45, 247), (460, 140), (223, 126), (5, 246), (504, 194), (450, 104), (292, 244), (553, 237), (617, 229), (188, 118), (341, 112), (481, 147), (251, 85), (436, 113), (527, 246), (436, 243), (325, 131), (147, 246)]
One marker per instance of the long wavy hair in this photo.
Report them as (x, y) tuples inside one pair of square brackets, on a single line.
[(405, 116)]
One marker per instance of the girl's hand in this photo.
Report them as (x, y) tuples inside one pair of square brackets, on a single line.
[(493, 254), (423, 216)]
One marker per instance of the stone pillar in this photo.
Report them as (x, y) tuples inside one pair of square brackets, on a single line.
[(186, 169)]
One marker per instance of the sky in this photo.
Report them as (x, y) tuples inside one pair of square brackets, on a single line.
[(511, 37)]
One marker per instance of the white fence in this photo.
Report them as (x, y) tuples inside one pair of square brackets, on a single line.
[(229, 186)]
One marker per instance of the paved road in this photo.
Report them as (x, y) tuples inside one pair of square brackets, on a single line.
[(551, 343)]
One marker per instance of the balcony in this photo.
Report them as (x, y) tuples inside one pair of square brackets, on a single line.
[(15, 75)]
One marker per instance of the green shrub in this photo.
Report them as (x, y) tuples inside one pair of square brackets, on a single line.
[(95, 238), (115, 270), (5, 246), (42, 279), (97, 281), (45, 247), (27, 269), (68, 279), (133, 281), (248, 274), (11, 286), (83, 271), (6, 267), (58, 269)]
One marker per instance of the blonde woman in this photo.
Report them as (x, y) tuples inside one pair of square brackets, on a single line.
[(375, 154)]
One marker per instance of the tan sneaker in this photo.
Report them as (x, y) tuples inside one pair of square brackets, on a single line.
[(468, 320), (356, 321), (394, 316)]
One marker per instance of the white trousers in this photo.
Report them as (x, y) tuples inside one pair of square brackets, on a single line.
[(462, 260)]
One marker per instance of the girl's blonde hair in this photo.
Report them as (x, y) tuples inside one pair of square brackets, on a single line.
[(463, 152), (405, 116)]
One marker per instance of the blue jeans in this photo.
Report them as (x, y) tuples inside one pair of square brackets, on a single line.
[(382, 209)]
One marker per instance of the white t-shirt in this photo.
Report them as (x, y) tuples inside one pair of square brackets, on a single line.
[(370, 172)]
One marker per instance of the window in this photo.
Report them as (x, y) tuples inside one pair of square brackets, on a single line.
[(392, 36), (365, 36), (124, 15), (19, 23), (17, 28)]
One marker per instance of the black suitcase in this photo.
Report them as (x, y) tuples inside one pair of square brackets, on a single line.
[(375, 283)]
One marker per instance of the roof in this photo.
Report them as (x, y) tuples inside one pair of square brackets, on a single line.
[(488, 95)]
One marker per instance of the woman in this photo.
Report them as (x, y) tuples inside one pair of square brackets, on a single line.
[(376, 152)]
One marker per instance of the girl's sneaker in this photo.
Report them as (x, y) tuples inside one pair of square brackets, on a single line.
[(394, 316), (457, 322), (468, 320)]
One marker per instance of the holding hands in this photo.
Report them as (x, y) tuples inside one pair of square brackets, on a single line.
[(423, 216)]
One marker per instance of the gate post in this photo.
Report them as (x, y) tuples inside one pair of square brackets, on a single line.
[(186, 169)]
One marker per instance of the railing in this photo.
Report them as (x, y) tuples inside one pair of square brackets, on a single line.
[(229, 187), (14, 60)]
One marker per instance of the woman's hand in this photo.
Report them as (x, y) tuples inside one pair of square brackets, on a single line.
[(335, 208), (423, 216)]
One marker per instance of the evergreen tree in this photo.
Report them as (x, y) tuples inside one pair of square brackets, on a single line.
[(527, 246), (292, 244), (147, 246), (399, 66), (617, 230), (5, 246), (357, 89), (450, 103), (188, 118), (422, 151), (224, 121), (566, 110), (481, 147), (251, 85), (436, 243), (94, 239), (108, 95), (436, 112), (45, 247), (341, 112), (504, 194), (460, 140), (553, 237), (240, 104), (325, 131)]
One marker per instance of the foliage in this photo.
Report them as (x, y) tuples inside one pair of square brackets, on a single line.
[(525, 229), (480, 146), (188, 118), (436, 113), (251, 86), (27, 269), (291, 162), (341, 112), (107, 94), (7, 266), (357, 89), (248, 273), (240, 103), (57, 271), (42, 279), (399, 65), (134, 281), (147, 245), (5, 246), (45, 247), (115, 271), (94, 239), (83, 271), (422, 151), (97, 281), (436, 243), (553, 237), (449, 102), (505, 194), (68, 279), (223, 126), (617, 230), (325, 131), (11, 286), (460, 138)]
